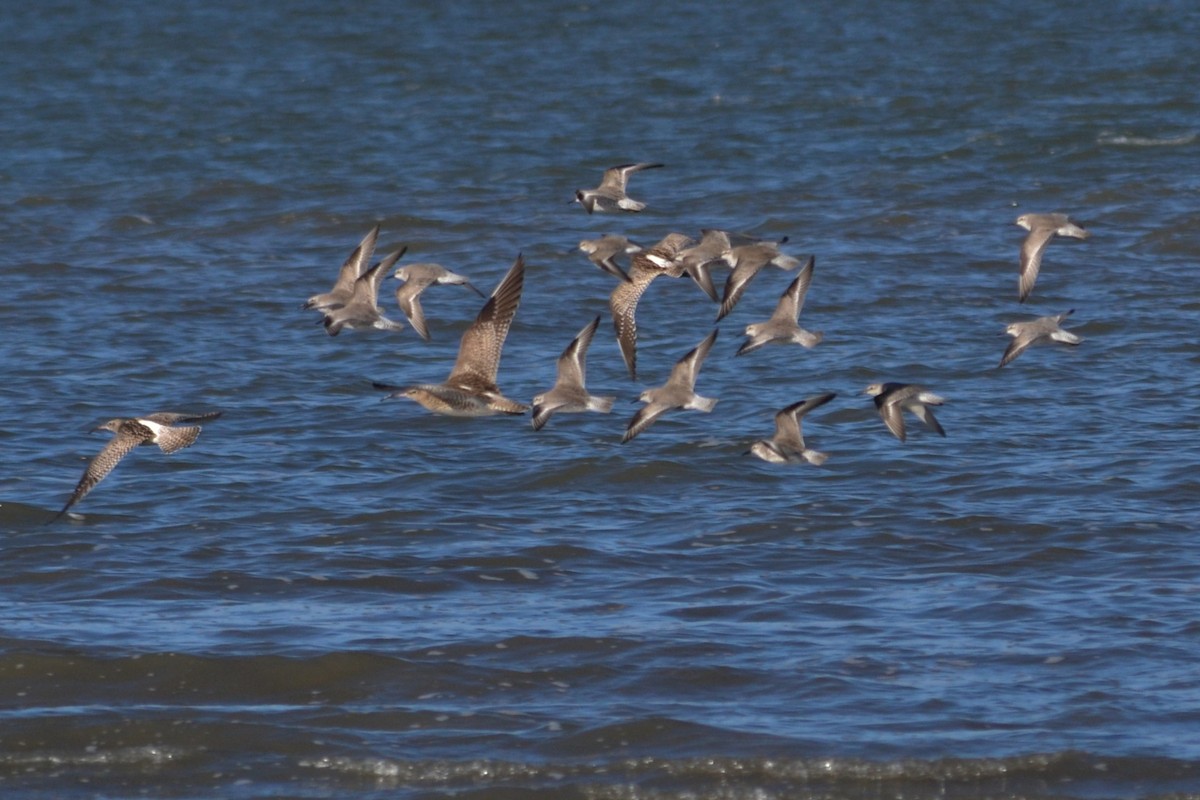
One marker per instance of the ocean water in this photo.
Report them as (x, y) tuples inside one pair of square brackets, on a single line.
[(335, 595)]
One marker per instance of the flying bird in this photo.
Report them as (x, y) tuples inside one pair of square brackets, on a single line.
[(1042, 228), (787, 445), (417, 278), (569, 392), (783, 325), (471, 390), (161, 428), (610, 194), (678, 392), (343, 287), (362, 309), (643, 269), (603, 252), (747, 260), (1042, 330), (892, 399)]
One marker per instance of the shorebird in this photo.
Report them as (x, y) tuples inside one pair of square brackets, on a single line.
[(782, 326), (156, 428), (470, 390), (362, 309), (678, 392), (1042, 228), (892, 399), (569, 393), (1042, 330), (787, 445), (417, 278), (746, 261), (610, 194), (644, 268), (603, 252), (354, 266), (697, 261)]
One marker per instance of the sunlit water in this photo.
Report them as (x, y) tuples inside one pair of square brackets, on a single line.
[(333, 595)]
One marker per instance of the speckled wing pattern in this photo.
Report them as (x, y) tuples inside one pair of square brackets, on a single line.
[(479, 350), (129, 435)]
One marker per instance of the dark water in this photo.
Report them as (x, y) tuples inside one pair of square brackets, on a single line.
[(331, 596)]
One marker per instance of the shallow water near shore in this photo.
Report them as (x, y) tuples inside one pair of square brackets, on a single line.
[(333, 594)]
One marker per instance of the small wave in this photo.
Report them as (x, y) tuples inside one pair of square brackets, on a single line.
[(724, 777), (1146, 141)]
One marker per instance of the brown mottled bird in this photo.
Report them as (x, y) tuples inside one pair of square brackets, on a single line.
[(623, 302), (158, 428), (471, 390)]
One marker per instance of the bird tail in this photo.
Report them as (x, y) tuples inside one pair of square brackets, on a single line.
[(172, 439), (815, 458), (601, 404)]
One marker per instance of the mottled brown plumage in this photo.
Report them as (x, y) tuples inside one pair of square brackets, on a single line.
[(470, 390), (157, 428)]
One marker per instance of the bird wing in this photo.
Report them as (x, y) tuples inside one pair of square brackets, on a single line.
[(171, 417), (126, 439), (382, 269), (925, 414), (356, 264), (408, 297), (1020, 343), (792, 300), (736, 283), (618, 177), (623, 304), (892, 416), (644, 418), (1031, 258), (572, 366), (481, 344), (171, 439), (687, 368)]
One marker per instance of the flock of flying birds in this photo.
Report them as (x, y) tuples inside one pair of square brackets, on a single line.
[(470, 390)]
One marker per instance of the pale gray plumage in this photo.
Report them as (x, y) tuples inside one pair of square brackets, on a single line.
[(362, 309), (678, 392), (787, 445), (610, 194), (417, 278), (892, 399), (783, 325), (603, 253), (1042, 228), (157, 428), (697, 261), (746, 261), (471, 390), (569, 393), (352, 268), (1042, 330)]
